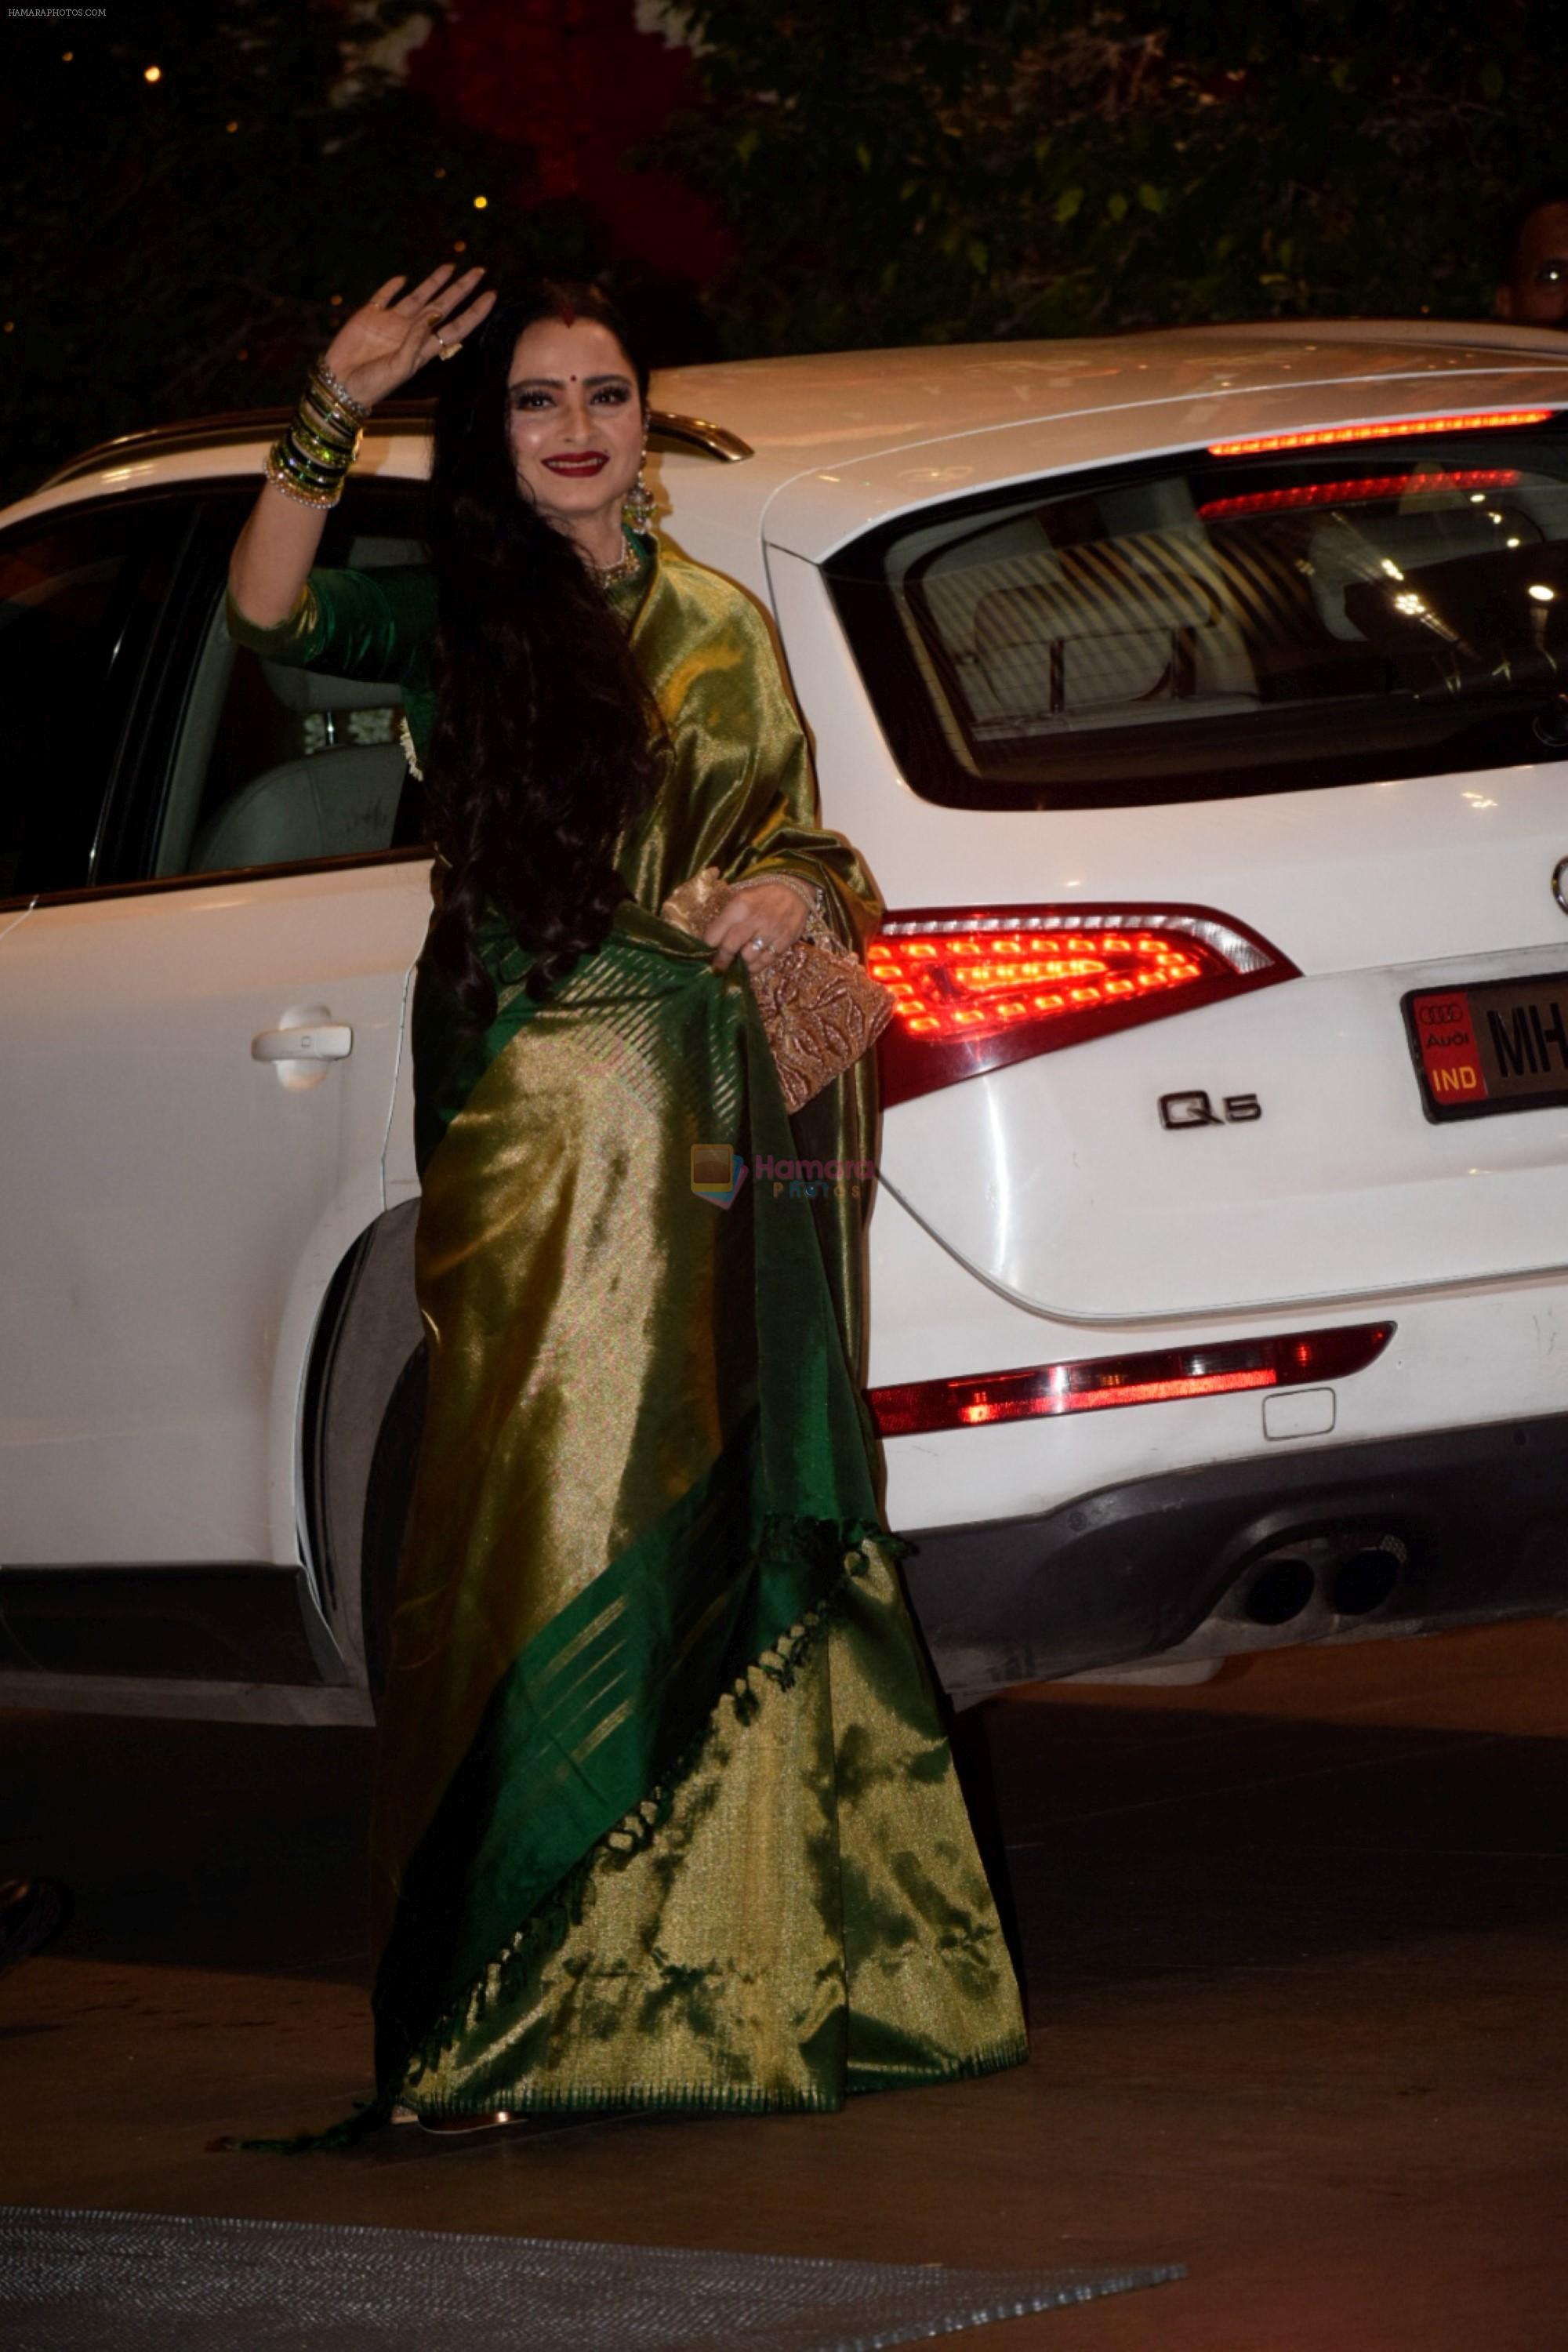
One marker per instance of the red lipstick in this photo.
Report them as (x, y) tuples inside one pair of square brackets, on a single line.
[(582, 463)]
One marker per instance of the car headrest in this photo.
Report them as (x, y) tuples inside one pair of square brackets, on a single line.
[(315, 689), (1118, 588)]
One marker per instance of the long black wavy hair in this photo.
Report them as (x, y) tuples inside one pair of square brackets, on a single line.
[(546, 742)]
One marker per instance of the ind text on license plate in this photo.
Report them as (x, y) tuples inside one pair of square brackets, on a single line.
[(1501, 1047)]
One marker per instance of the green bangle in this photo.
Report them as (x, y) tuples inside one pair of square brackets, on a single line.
[(291, 488), (298, 469), (318, 457), (302, 469), (331, 454), (311, 431), (349, 420)]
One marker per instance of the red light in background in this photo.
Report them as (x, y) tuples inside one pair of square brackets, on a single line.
[(1153, 1376), (1376, 486), (1330, 436)]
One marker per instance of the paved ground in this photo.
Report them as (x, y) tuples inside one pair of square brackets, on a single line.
[(1297, 1945)]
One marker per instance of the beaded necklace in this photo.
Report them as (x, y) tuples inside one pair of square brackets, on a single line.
[(625, 566)]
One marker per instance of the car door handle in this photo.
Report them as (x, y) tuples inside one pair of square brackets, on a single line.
[(326, 1040)]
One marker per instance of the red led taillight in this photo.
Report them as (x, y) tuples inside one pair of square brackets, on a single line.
[(1151, 1377), (973, 991), (1331, 435), (1299, 494)]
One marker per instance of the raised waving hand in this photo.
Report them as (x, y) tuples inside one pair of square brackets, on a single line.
[(392, 336), (387, 339)]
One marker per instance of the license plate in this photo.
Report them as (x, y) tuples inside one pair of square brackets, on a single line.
[(1497, 1048)]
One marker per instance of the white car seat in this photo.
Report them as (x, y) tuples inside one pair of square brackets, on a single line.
[(339, 801)]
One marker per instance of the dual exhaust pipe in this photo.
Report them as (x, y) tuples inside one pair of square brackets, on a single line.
[(1354, 1572)]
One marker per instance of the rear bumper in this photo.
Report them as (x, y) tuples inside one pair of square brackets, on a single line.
[(1478, 1517)]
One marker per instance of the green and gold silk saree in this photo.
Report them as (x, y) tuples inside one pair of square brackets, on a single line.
[(664, 1814)]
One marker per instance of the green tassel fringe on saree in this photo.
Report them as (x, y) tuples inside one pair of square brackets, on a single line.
[(664, 1817)]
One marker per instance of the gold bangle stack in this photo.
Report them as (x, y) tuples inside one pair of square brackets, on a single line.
[(311, 460)]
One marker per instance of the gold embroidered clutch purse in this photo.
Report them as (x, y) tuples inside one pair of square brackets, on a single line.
[(820, 1007)]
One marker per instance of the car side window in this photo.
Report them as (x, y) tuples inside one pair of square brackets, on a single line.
[(278, 766), (70, 586)]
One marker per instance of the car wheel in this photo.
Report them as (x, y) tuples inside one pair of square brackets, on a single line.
[(388, 1494), (363, 1399)]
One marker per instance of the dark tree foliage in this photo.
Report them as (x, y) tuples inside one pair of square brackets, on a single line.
[(174, 249), (893, 172), (971, 168)]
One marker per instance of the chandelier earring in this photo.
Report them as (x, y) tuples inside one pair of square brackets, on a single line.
[(639, 507)]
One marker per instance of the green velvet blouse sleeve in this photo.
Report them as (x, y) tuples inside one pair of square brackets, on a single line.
[(375, 626)]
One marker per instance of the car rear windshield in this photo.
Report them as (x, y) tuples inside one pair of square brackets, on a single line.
[(1206, 628)]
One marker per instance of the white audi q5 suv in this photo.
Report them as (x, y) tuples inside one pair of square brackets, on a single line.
[(1200, 702)]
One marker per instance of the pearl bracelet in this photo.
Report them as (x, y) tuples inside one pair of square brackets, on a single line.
[(339, 390)]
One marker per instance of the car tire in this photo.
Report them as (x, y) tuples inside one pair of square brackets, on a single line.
[(363, 1402), (388, 1493)]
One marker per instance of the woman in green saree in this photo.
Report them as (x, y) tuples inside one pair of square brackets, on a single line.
[(664, 1814)]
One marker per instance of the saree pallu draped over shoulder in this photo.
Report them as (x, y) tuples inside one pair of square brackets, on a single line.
[(664, 1817)]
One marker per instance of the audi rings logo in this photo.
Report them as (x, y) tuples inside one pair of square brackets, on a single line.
[(1559, 883)]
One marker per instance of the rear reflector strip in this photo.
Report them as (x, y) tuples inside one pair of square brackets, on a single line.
[(1333, 435), (973, 991), (1358, 494), (1154, 1377)]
